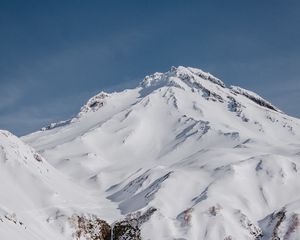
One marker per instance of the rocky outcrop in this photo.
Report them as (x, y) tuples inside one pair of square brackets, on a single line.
[(56, 125), (91, 227), (254, 97), (94, 103), (129, 228), (283, 224), (126, 230)]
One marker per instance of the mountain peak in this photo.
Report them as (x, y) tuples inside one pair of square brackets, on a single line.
[(197, 84), (182, 73)]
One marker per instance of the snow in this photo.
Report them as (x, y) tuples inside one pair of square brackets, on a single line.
[(216, 163)]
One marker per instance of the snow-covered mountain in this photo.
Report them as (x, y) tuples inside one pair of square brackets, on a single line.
[(181, 156)]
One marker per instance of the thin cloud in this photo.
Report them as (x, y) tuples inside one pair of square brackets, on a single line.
[(9, 95)]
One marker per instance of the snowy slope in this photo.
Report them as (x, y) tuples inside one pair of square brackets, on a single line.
[(216, 162), (37, 200)]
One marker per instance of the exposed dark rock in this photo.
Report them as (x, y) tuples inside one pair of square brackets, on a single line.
[(37, 157), (207, 76), (278, 217), (235, 106), (56, 125), (185, 217), (189, 79), (90, 228), (254, 230), (94, 103), (254, 97), (129, 228), (126, 230)]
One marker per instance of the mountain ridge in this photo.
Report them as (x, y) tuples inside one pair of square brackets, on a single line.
[(159, 79)]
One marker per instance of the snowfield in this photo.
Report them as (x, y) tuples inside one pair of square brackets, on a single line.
[(181, 156)]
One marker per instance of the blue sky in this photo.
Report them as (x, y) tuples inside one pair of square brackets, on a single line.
[(57, 54)]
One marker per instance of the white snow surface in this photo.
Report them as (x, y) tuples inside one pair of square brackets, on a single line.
[(216, 163)]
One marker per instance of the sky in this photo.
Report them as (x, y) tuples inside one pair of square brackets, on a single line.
[(55, 55)]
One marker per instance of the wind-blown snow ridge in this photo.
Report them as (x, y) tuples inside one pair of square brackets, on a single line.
[(207, 161), (187, 78), (193, 77), (254, 97)]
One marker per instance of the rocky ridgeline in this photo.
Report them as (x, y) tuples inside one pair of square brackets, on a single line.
[(92, 105), (91, 227)]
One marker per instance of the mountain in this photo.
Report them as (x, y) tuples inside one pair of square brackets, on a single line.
[(181, 156)]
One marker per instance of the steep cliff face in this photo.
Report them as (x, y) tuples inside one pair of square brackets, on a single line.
[(215, 162)]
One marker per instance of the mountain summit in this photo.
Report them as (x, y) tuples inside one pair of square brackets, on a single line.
[(181, 156)]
